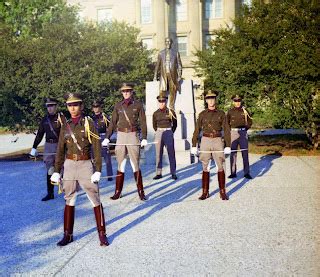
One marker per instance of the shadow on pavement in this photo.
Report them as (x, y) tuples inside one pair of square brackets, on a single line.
[(174, 195)]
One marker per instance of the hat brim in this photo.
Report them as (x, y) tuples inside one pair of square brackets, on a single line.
[(73, 101), (51, 103), (126, 88)]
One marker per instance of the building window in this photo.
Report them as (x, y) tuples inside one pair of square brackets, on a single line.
[(104, 15), (213, 9), (181, 10), (183, 45), (147, 43), (208, 38), (146, 11)]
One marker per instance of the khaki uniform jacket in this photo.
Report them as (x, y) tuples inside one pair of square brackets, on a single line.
[(175, 68), (162, 119), (210, 122), (45, 129), (67, 146), (236, 119), (135, 113)]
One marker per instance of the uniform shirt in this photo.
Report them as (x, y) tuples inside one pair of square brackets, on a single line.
[(162, 119), (236, 118), (66, 145), (100, 123), (135, 114), (44, 128), (210, 121)]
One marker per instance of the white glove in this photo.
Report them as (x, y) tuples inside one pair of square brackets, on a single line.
[(144, 142), (33, 152), (105, 142), (227, 150), (194, 150), (95, 177), (55, 177)]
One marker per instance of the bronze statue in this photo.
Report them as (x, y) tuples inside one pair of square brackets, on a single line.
[(170, 68)]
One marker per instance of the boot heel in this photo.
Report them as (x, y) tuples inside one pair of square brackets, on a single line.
[(204, 196), (116, 196)]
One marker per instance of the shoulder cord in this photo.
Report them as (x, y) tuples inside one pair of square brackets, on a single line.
[(88, 131), (105, 119), (171, 114), (246, 115), (59, 119)]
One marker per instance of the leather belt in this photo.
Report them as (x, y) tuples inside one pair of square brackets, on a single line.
[(212, 135), (164, 129), (52, 140), (76, 157), (238, 129), (127, 130)]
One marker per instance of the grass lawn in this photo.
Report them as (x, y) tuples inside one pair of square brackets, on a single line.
[(288, 145)]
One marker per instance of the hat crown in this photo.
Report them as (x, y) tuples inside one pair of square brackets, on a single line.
[(73, 97), (236, 96), (126, 86), (96, 103), (211, 93), (50, 101)]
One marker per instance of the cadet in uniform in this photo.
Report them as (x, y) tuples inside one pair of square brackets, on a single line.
[(164, 123), (101, 123), (128, 117), (78, 137), (50, 126), (211, 121), (239, 121)]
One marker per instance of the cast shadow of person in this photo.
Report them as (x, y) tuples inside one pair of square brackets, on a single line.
[(163, 198), (257, 169)]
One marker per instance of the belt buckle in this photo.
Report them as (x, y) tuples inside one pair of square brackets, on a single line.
[(211, 135), (74, 157)]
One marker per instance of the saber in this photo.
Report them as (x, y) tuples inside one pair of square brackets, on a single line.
[(45, 154), (130, 144), (219, 151), (63, 179), (103, 177)]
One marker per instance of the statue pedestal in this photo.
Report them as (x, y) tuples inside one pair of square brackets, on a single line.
[(185, 110)]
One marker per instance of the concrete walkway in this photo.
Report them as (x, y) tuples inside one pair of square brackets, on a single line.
[(269, 227)]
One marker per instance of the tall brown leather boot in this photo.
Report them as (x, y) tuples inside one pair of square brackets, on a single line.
[(119, 185), (101, 225), (222, 185), (68, 226), (138, 178), (205, 185)]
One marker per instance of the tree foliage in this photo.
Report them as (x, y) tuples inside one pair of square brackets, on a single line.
[(271, 56), (63, 56)]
